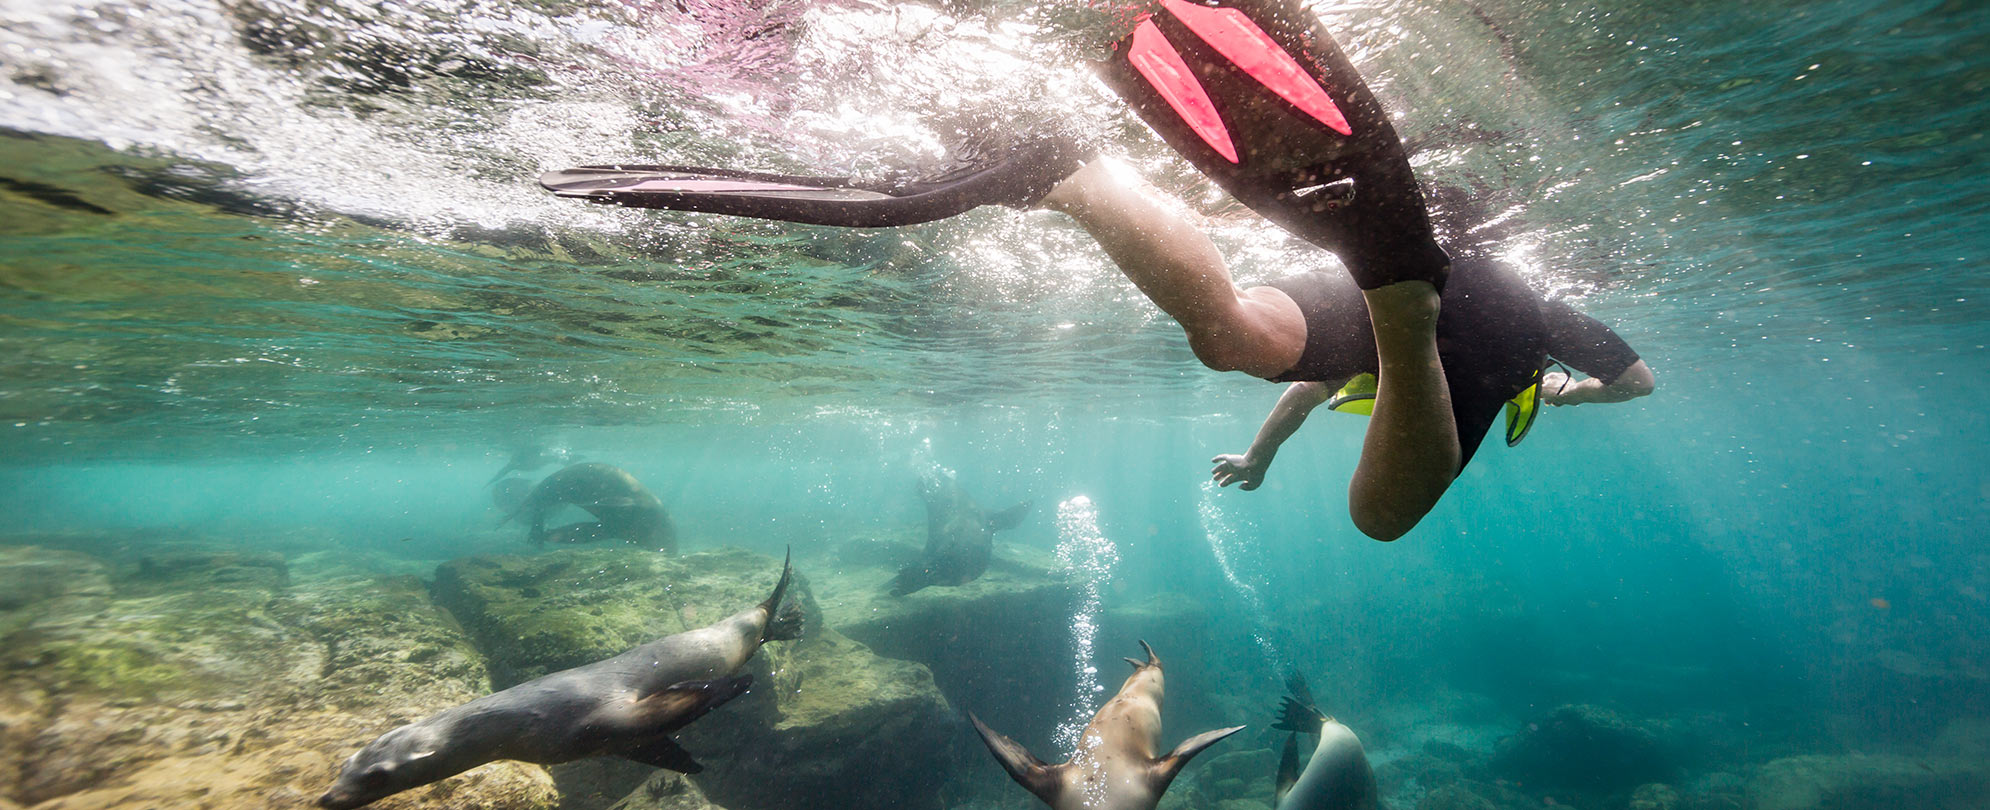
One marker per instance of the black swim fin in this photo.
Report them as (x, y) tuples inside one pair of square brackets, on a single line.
[(1017, 178)]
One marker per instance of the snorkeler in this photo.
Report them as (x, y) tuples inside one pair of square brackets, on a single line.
[(1257, 95)]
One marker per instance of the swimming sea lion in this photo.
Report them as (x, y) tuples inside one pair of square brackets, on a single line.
[(960, 537), (1337, 776), (626, 706), (531, 457), (509, 494), (1115, 767), (620, 504)]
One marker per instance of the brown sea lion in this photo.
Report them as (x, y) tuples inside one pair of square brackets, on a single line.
[(960, 536), (622, 508), (1115, 767), (626, 706)]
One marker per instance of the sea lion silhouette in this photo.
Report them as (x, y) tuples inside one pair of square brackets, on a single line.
[(960, 536), (527, 458), (626, 706), (622, 508), (1115, 767), (509, 494), (1337, 775)]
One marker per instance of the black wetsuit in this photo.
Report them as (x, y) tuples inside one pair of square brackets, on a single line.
[(1493, 336)]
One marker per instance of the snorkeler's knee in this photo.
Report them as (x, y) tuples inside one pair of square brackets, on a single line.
[(1386, 528)]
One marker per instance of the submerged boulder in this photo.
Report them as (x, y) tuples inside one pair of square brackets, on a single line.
[(1585, 748), (666, 791), (1823, 782), (976, 638), (201, 678), (827, 723)]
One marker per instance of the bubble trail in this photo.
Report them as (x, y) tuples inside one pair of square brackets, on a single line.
[(1088, 557), (1231, 549)]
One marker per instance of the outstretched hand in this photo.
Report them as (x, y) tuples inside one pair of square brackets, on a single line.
[(1554, 385), (1236, 469)]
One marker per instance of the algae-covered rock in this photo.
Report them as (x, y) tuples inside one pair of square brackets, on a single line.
[(978, 639), (1655, 796), (827, 723), (1816, 782), (1584, 748), (1249, 775), (666, 791), (1454, 797), (202, 680)]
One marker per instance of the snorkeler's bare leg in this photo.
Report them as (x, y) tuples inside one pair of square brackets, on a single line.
[(1258, 331), (1410, 454)]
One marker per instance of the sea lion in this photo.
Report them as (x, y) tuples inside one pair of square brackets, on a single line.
[(510, 493), (626, 706), (960, 536), (1115, 767), (527, 458), (1337, 776), (620, 504)]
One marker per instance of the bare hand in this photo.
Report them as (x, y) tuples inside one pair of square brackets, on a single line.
[(1553, 385), (1235, 469)]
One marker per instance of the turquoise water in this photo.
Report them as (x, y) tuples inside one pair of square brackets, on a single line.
[(275, 276)]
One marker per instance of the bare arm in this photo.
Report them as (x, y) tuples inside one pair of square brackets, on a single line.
[(1636, 381), (1299, 399)]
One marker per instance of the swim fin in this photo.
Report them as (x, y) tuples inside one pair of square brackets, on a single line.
[(1018, 178)]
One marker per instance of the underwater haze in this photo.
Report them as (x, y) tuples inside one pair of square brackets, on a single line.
[(280, 296)]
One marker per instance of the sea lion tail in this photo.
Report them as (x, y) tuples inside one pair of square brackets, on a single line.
[(1033, 774), (784, 623), (1297, 715)]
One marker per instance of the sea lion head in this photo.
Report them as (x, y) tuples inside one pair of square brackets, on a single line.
[(400, 759)]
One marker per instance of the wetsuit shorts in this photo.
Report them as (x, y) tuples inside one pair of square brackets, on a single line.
[(1237, 89), (1494, 335)]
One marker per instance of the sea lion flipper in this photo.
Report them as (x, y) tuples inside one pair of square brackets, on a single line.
[(1033, 774), (663, 752), (678, 704), (1166, 767), (783, 623), (1295, 715), (1288, 768), (1008, 518)]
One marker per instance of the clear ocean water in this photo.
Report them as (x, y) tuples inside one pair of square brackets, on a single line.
[(275, 277)]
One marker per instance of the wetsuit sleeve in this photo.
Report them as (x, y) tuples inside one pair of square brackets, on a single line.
[(1585, 343)]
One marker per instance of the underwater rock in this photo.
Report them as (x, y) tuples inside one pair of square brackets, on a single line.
[(200, 679), (1454, 797), (1426, 770), (1817, 782), (1249, 775), (1585, 748), (974, 636), (1655, 796), (666, 791), (823, 714), (1966, 738)]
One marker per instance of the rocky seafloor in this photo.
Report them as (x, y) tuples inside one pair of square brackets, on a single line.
[(167, 671)]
